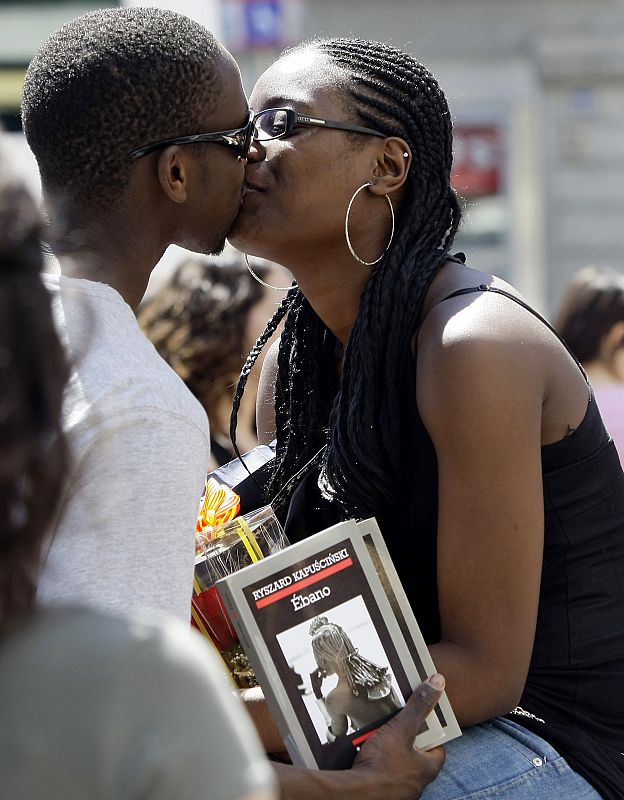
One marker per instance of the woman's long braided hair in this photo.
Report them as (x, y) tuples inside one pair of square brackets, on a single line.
[(359, 415)]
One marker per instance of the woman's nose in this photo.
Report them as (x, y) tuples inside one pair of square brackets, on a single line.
[(257, 151)]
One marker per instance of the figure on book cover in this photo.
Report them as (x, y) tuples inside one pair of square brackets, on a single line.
[(364, 692)]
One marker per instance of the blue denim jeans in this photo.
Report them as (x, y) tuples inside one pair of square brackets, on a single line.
[(499, 759)]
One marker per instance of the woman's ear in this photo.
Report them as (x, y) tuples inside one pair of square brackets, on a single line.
[(172, 174), (392, 168), (613, 348), (614, 340)]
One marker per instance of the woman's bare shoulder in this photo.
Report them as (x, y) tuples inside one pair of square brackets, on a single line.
[(440, 306), (480, 341)]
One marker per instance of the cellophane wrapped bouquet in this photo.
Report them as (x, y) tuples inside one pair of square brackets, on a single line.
[(224, 543)]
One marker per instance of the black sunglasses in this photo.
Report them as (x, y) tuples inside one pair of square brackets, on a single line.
[(238, 139), (273, 123)]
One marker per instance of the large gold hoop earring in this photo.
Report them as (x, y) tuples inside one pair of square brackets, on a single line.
[(264, 283), (349, 245)]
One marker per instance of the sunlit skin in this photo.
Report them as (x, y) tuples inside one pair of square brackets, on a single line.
[(474, 353)]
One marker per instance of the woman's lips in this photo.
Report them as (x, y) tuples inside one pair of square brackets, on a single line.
[(248, 191), (249, 186)]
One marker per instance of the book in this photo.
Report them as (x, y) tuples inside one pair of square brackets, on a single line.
[(333, 642)]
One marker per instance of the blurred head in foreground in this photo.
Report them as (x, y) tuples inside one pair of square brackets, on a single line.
[(33, 372)]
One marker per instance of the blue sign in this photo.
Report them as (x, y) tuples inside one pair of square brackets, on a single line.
[(248, 24), (264, 22)]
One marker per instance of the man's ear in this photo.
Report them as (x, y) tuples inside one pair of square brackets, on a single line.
[(393, 164), (173, 174)]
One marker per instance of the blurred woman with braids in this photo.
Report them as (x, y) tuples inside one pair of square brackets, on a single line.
[(411, 387), (364, 692), (33, 373)]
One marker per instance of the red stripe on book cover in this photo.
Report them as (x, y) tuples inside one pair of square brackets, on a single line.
[(324, 573), (360, 739)]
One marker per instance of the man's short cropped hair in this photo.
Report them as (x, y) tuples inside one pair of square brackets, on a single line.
[(108, 82)]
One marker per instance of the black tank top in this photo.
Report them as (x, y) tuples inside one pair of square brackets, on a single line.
[(574, 693)]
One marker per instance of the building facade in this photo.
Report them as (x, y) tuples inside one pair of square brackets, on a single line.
[(537, 95)]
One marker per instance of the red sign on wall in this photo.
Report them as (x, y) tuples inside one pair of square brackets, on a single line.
[(478, 162)]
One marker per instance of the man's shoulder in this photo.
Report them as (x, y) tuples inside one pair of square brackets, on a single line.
[(118, 374)]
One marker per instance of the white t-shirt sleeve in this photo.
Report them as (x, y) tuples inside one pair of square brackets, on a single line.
[(186, 735), (125, 536)]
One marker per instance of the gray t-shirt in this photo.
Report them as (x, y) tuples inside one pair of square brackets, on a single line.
[(124, 539), (96, 707)]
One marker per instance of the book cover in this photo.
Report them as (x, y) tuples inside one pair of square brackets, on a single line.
[(324, 625)]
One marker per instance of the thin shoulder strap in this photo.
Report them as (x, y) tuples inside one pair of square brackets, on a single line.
[(457, 258), (483, 287)]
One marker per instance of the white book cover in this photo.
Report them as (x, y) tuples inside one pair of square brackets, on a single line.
[(333, 642)]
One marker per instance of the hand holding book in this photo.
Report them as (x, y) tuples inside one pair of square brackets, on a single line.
[(388, 765), (400, 733)]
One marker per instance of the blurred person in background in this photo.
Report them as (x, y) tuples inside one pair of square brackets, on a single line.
[(591, 320), (203, 321)]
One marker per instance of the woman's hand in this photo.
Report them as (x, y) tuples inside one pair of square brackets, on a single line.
[(388, 766), (392, 750)]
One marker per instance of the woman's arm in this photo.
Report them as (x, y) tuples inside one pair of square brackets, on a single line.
[(263, 720), (480, 390)]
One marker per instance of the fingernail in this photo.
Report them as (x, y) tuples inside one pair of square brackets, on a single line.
[(437, 681)]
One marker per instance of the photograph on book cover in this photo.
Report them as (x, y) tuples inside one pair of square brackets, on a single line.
[(328, 583), (346, 683)]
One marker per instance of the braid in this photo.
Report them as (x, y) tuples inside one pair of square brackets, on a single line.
[(306, 386), (264, 337), (397, 95)]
